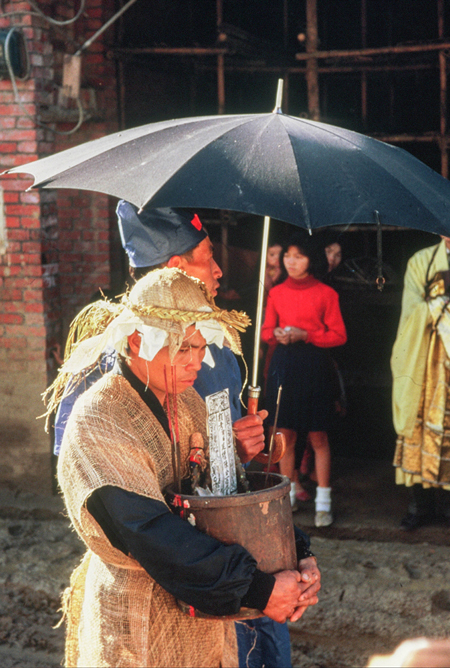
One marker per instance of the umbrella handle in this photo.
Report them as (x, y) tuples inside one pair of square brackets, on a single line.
[(278, 452), (253, 399), (279, 439)]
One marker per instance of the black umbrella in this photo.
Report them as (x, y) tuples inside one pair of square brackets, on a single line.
[(299, 171)]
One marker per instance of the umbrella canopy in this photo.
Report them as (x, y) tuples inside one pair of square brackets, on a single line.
[(299, 171)]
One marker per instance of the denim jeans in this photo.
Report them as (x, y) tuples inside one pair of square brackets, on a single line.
[(272, 645)]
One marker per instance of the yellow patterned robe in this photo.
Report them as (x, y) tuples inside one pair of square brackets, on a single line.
[(117, 615), (421, 373)]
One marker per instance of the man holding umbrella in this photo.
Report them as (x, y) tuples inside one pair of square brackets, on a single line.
[(168, 237)]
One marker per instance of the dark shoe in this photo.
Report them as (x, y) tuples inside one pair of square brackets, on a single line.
[(411, 521)]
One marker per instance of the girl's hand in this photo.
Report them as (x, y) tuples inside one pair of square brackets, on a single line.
[(297, 334), (289, 335), (281, 335)]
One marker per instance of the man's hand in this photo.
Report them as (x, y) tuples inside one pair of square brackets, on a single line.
[(284, 599), (249, 435), (310, 585)]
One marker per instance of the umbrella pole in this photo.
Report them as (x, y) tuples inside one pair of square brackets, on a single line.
[(254, 390)]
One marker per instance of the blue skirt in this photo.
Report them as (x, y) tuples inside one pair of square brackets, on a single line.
[(305, 372)]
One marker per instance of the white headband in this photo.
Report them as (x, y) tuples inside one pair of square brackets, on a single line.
[(152, 340)]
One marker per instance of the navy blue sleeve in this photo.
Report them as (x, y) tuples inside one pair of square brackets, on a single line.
[(70, 396), (225, 373), (302, 544), (201, 571)]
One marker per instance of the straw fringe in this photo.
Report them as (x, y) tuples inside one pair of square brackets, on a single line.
[(236, 319), (94, 318)]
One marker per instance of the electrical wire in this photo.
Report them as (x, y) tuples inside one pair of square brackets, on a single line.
[(41, 14), (13, 78)]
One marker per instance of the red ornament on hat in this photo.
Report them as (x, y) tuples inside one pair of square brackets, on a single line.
[(196, 222)]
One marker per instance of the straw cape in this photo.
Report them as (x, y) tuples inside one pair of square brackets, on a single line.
[(116, 614)]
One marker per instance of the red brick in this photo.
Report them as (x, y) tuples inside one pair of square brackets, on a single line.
[(30, 222), (14, 246), (24, 210), (10, 197), (10, 161), (29, 282), (12, 222), (16, 110), (18, 235), (36, 342), (24, 258), (31, 197), (34, 319), (33, 270), (8, 122), (25, 122), (25, 331), (17, 183), (12, 307), (11, 318), (11, 294), (32, 295), (34, 307), (9, 271), (9, 342), (27, 355), (27, 147), (17, 135), (8, 147), (31, 247)]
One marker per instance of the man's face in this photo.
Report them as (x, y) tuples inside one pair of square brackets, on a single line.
[(201, 265), (181, 372), (447, 242)]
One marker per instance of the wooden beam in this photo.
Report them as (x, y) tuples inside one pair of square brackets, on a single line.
[(171, 51), (443, 93), (384, 50), (312, 75), (332, 69), (404, 138), (364, 73), (220, 63)]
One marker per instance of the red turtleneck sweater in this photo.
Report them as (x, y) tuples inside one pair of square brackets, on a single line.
[(307, 304)]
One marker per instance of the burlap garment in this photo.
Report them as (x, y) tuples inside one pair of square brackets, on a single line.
[(117, 615)]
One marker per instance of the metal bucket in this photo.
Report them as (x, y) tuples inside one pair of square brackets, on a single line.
[(260, 521)]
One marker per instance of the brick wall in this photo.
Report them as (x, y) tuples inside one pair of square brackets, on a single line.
[(56, 251)]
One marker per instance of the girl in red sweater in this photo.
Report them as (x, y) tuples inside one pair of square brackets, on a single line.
[(303, 319)]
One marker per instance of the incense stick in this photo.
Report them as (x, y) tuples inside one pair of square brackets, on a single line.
[(273, 435)]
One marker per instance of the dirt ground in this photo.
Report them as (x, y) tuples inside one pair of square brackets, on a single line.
[(379, 585)]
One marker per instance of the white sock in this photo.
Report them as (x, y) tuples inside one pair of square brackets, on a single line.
[(323, 499), (292, 492)]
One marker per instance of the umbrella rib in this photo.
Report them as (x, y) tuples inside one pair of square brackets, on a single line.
[(190, 157), (303, 204)]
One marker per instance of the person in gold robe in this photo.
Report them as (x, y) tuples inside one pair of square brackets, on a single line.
[(420, 365)]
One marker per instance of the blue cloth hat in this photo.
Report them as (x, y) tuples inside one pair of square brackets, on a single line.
[(153, 236)]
